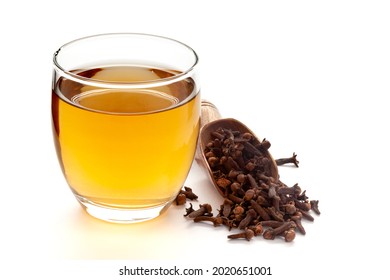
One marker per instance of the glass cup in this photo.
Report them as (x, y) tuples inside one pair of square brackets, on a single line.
[(125, 114)]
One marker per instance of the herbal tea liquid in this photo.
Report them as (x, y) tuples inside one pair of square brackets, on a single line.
[(120, 147)]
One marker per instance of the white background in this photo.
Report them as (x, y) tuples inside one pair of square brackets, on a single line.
[(311, 76)]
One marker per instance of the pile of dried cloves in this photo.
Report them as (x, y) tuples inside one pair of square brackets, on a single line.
[(255, 202)]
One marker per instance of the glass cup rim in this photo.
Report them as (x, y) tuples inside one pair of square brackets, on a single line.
[(125, 85)]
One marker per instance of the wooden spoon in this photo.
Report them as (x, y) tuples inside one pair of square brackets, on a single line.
[(210, 121)]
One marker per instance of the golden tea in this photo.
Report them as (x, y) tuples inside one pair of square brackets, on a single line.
[(125, 148)]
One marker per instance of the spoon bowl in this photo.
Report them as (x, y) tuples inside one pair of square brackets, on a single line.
[(211, 121)]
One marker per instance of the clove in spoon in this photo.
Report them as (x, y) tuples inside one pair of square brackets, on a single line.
[(211, 121)]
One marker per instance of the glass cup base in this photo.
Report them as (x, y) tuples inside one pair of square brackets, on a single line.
[(120, 215)]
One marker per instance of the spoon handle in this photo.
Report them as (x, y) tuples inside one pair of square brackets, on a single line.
[(209, 113)]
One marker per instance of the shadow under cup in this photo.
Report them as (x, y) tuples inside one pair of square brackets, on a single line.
[(125, 111)]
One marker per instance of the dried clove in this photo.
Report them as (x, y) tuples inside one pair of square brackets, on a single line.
[(252, 181), (248, 234), (306, 215), (278, 216), (204, 209), (189, 193), (249, 195), (290, 208), (302, 205), (293, 191), (250, 215), (235, 199), (180, 199), (314, 206), (289, 235), (298, 221), (271, 233), (292, 159), (226, 207), (189, 210), (260, 210), (185, 194), (257, 229)]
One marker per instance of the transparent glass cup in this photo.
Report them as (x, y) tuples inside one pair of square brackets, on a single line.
[(125, 114)]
